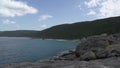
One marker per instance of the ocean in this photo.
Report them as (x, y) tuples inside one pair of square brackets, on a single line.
[(20, 49)]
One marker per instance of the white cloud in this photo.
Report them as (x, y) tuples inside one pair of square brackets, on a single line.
[(109, 8), (7, 21), (92, 3), (105, 8), (45, 17), (12, 8), (91, 12)]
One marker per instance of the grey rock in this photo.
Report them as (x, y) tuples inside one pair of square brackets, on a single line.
[(95, 44), (113, 50), (101, 54), (102, 45), (88, 56), (101, 63)]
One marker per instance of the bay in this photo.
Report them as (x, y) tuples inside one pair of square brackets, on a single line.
[(15, 50)]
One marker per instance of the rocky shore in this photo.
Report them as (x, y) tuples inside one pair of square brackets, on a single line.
[(100, 51)]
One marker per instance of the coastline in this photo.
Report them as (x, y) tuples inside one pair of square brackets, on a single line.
[(112, 62), (101, 51), (76, 40)]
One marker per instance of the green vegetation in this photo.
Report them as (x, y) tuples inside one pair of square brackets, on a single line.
[(73, 31), (18, 33), (82, 29)]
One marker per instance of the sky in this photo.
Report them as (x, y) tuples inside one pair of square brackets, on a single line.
[(42, 14)]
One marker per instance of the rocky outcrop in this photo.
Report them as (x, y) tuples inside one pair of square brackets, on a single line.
[(101, 46), (95, 47)]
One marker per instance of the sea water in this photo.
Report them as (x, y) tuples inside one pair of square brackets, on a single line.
[(20, 49)]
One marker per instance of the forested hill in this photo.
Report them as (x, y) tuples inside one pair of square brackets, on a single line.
[(82, 29), (73, 31), (19, 33)]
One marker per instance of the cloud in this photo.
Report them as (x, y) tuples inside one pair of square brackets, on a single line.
[(45, 17), (91, 12), (92, 3), (7, 21), (105, 8), (110, 8), (12, 8)]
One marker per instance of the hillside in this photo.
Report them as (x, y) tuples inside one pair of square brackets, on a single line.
[(72, 31), (82, 29), (18, 33)]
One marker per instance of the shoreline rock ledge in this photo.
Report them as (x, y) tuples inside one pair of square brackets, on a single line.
[(100, 51), (99, 47)]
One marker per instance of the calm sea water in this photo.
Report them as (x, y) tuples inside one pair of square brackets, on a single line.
[(13, 50)]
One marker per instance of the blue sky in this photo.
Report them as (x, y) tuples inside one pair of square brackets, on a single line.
[(42, 14)]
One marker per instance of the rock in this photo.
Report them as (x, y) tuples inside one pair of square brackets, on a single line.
[(88, 56), (102, 46), (113, 62), (95, 44), (116, 38), (83, 39), (104, 34), (101, 54), (113, 50), (66, 56)]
